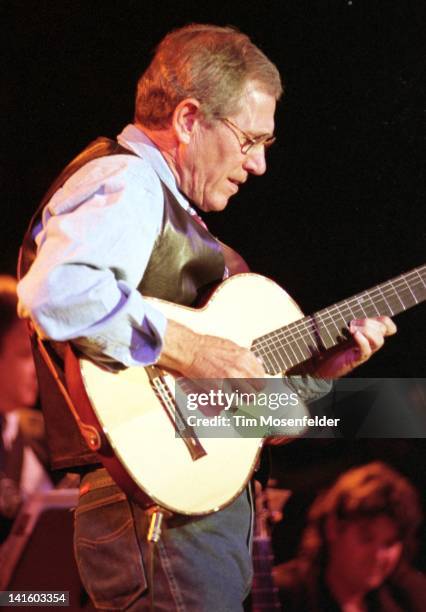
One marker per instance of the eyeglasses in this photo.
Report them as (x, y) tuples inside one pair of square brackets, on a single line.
[(248, 143)]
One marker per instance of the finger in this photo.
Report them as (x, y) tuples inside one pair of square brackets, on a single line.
[(375, 338), (374, 331), (389, 324), (383, 323), (251, 366), (247, 385), (363, 346), (367, 325)]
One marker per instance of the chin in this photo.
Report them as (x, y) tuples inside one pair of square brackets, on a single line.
[(213, 200), (376, 580), (28, 399), (220, 207), (217, 204)]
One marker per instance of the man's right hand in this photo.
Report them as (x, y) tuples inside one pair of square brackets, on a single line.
[(199, 356)]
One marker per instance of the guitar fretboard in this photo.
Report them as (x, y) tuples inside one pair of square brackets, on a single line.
[(264, 593), (284, 348)]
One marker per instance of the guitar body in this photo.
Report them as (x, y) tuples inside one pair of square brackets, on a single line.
[(132, 420), (138, 429)]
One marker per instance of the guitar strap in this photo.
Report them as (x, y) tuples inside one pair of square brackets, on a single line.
[(49, 356)]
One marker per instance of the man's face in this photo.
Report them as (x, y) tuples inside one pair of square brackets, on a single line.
[(365, 552), (213, 166), (18, 382)]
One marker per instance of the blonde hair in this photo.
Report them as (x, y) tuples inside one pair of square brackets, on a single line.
[(210, 63)]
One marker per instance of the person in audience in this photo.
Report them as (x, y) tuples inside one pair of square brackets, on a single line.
[(22, 450), (356, 549)]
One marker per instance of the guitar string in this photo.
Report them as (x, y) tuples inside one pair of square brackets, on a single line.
[(391, 287), (291, 338), (366, 297), (301, 326), (367, 300), (323, 318), (310, 327), (164, 393)]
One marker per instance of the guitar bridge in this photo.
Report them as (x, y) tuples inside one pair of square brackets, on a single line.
[(164, 395)]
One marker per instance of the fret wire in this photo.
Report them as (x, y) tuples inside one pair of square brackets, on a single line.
[(367, 300), (267, 339), (273, 355), (302, 336), (359, 302), (311, 335), (270, 341), (308, 333), (313, 345), (397, 294), (297, 345), (322, 318), (302, 326), (265, 360), (314, 318), (357, 310), (282, 357), (384, 297), (410, 290), (373, 303), (346, 302), (265, 352), (278, 356), (369, 296), (333, 320), (307, 352), (374, 297), (421, 279), (281, 347), (392, 290)]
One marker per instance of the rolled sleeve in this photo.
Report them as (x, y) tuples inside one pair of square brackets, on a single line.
[(97, 236), (308, 388)]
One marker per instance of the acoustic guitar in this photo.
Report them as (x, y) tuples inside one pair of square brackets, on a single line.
[(138, 428)]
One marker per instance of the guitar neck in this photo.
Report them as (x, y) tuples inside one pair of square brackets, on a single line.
[(264, 593), (294, 344)]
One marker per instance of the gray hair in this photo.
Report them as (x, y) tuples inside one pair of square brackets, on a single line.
[(210, 63)]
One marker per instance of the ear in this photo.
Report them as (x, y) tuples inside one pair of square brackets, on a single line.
[(185, 118)]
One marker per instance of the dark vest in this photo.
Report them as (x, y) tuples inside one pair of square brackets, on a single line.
[(186, 260)]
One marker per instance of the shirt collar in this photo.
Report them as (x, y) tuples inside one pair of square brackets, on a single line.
[(10, 428), (136, 140)]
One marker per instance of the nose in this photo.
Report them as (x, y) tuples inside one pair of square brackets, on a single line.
[(383, 555), (31, 369), (28, 365), (255, 161), (28, 370)]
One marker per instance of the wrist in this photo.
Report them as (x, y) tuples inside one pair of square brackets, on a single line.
[(179, 347)]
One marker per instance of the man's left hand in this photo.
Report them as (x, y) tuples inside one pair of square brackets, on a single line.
[(368, 336)]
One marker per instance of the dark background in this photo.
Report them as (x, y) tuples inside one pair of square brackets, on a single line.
[(342, 205)]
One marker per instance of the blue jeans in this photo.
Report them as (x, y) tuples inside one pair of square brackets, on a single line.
[(201, 564)]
